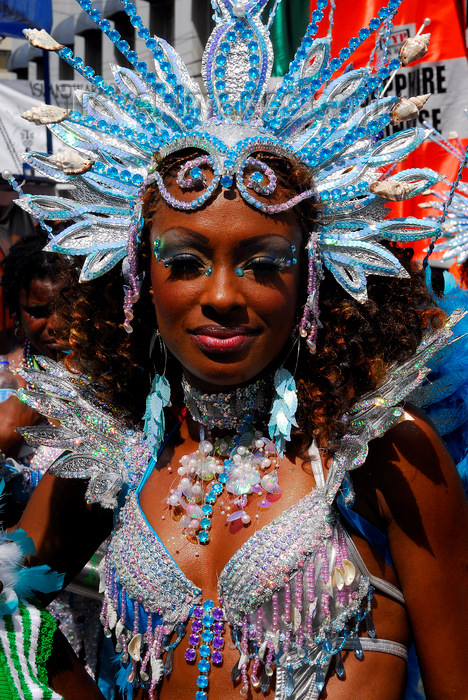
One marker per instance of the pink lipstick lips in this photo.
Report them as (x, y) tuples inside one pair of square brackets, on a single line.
[(222, 338)]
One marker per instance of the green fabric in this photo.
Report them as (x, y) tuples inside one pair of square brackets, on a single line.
[(8, 621), (7, 684), (44, 650), (287, 30), (31, 680)]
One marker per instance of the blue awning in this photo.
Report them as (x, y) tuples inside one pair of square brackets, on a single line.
[(65, 31), (21, 56), (16, 15)]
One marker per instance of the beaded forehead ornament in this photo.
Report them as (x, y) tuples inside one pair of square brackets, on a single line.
[(316, 117)]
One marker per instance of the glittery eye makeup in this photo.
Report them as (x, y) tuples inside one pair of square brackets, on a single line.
[(185, 263)]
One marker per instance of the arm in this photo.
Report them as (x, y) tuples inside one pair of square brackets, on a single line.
[(419, 495), (66, 530)]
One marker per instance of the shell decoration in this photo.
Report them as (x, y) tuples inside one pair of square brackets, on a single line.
[(408, 108), (349, 572), (134, 647), (414, 48), (112, 618), (394, 190), (46, 114), (42, 40), (156, 669), (70, 162)]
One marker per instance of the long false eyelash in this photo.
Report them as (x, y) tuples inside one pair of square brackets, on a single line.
[(268, 263), (183, 266)]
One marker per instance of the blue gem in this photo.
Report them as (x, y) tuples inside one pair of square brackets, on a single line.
[(240, 271), (205, 523), (216, 489), (257, 177), (201, 695), (205, 651), (208, 605), (207, 636), (226, 181), (207, 510), (223, 478), (202, 682), (203, 537), (208, 620), (204, 666)]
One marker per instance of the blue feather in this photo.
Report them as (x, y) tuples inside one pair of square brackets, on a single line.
[(37, 579)]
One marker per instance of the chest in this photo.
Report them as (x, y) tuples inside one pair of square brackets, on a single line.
[(203, 564)]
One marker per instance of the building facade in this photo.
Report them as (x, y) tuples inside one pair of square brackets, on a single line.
[(185, 24)]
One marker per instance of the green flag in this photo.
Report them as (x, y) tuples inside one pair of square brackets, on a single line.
[(288, 28)]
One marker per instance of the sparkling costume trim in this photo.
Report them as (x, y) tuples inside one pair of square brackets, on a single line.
[(288, 591)]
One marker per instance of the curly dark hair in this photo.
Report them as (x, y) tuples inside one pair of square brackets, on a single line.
[(356, 345), (25, 261)]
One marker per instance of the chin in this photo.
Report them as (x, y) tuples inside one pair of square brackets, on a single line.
[(224, 375)]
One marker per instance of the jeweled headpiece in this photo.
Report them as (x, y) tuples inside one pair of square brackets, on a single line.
[(326, 121), (452, 203)]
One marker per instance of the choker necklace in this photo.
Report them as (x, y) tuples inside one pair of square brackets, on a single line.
[(248, 404), (243, 465)]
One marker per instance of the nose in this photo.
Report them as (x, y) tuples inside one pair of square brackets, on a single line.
[(54, 323), (223, 291)]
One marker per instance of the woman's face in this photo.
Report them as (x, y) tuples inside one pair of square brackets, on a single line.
[(224, 293), (38, 322)]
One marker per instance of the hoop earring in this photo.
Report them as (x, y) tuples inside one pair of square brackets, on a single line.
[(17, 327), (162, 349)]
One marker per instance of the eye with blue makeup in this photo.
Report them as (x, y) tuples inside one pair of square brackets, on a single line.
[(188, 265)]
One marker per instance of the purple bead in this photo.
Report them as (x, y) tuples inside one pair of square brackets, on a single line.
[(197, 626), (194, 640), (217, 657), (218, 643), (198, 611), (190, 655), (217, 613), (218, 627)]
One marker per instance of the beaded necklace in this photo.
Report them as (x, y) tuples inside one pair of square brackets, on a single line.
[(28, 356), (240, 465)]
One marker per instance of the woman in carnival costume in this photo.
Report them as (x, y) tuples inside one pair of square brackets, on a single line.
[(285, 334)]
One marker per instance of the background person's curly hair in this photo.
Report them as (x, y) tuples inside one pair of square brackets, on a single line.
[(356, 345)]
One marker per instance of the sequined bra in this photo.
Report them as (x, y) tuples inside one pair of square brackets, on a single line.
[(294, 596)]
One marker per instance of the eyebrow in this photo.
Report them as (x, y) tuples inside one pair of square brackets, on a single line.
[(184, 234), (264, 238)]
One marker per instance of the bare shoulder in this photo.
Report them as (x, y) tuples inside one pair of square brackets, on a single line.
[(408, 467)]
